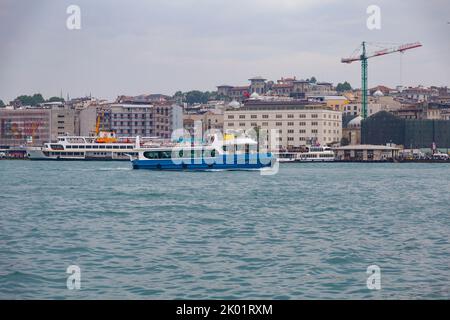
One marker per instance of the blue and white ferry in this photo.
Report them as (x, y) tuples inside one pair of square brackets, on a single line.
[(236, 153)]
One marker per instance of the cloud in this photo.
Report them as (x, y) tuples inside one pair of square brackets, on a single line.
[(162, 46)]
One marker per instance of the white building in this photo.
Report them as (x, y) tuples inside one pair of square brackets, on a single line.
[(298, 123)]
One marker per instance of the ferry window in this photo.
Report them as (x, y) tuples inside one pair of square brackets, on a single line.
[(151, 154), (109, 147), (69, 147), (80, 147), (165, 154)]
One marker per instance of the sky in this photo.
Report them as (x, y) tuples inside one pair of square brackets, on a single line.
[(159, 46)]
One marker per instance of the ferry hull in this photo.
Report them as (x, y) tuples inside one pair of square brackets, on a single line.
[(219, 163)]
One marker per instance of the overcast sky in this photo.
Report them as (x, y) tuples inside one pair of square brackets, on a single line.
[(161, 46)]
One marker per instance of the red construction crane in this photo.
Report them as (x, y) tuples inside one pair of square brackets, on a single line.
[(363, 57)]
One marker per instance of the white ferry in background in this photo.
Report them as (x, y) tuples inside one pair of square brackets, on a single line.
[(317, 154), (286, 156), (105, 146)]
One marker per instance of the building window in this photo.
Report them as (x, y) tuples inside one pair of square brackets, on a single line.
[(314, 123), (302, 115), (265, 116), (302, 124), (253, 116), (230, 117), (242, 116), (290, 123), (278, 124), (314, 116), (290, 116), (279, 116)]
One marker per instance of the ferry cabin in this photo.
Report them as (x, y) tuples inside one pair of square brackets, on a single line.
[(317, 154)]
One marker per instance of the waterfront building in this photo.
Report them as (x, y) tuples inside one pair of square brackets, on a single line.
[(298, 123), (351, 133), (34, 126), (130, 120), (366, 153), (385, 127), (211, 119)]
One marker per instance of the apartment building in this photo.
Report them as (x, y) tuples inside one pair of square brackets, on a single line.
[(298, 123), (212, 119), (141, 119), (34, 126)]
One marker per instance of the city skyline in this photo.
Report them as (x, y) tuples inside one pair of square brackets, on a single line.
[(159, 47)]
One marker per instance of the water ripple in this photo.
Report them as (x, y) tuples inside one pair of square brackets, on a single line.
[(309, 232)]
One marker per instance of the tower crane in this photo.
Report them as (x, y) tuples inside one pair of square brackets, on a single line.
[(364, 56)]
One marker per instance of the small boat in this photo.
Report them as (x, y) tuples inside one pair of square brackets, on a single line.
[(317, 154), (236, 153)]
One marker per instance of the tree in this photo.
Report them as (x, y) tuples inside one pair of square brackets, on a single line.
[(31, 100), (341, 87), (313, 79), (56, 99), (196, 96), (1, 103), (37, 97)]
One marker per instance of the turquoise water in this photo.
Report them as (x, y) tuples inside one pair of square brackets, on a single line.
[(308, 232)]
